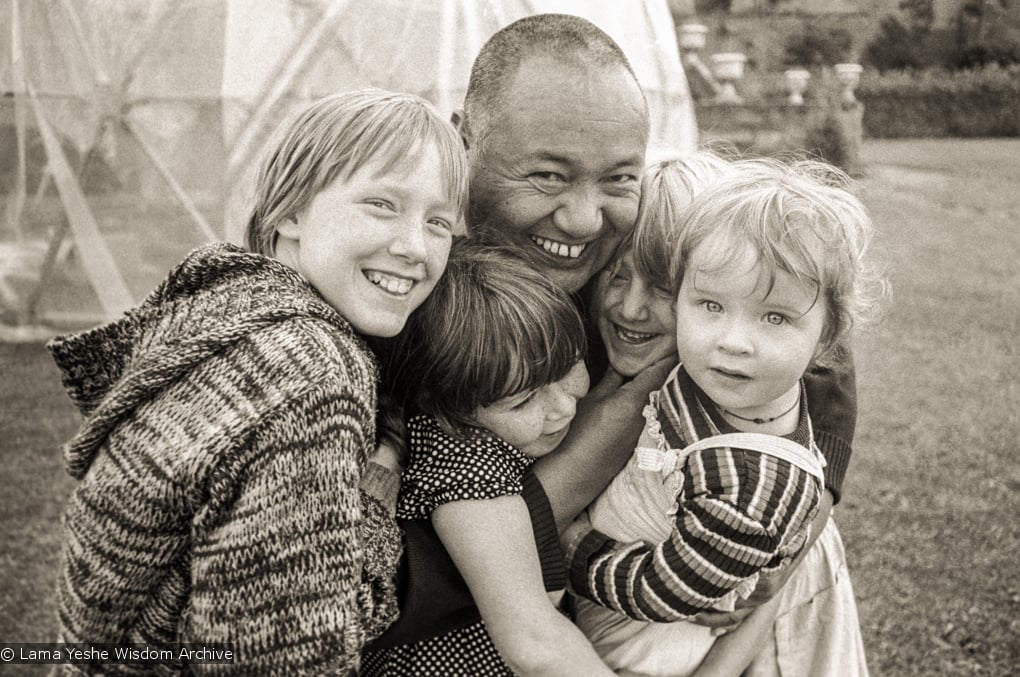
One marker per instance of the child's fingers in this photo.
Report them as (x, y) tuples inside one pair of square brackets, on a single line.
[(722, 622), (388, 456)]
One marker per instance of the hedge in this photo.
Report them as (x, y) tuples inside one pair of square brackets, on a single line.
[(940, 103)]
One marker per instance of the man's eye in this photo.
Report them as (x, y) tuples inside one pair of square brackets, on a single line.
[(775, 319), (547, 176), (380, 204), (622, 178)]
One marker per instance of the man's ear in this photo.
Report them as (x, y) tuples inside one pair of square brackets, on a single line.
[(289, 229), (459, 120)]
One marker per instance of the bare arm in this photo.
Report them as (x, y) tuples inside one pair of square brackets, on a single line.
[(492, 544), (601, 439)]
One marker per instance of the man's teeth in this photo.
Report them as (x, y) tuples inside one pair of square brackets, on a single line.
[(559, 248), (633, 336), (394, 285)]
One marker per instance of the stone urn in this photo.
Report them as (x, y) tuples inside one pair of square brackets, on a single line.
[(848, 75), (796, 82), (728, 67), (692, 37)]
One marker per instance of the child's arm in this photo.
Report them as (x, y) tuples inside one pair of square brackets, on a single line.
[(380, 485), (768, 586), (733, 652), (728, 528), (294, 520), (600, 441), (492, 543)]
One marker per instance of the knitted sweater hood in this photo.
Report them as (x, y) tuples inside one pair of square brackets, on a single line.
[(219, 295)]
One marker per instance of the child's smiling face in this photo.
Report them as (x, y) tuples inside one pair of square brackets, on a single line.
[(747, 343), (635, 318), (536, 421), (375, 242)]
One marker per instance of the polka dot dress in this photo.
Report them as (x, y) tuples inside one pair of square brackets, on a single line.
[(444, 469), (467, 651)]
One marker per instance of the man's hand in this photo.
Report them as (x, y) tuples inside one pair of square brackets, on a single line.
[(648, 379), (611, 411)]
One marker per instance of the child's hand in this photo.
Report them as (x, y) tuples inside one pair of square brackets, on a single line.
[(722, 622), (768, 587), (389, 456)]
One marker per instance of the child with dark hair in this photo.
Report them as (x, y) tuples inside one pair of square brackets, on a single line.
[(493, 372)]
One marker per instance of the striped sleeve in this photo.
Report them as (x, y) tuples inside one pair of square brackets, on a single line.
[(738, 513)]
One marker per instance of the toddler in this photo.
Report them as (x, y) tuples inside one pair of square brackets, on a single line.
[(765, 274)]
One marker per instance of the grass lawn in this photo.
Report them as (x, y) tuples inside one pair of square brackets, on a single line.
[(928, 501), (933, 495)]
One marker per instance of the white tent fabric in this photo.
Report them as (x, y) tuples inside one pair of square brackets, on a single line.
[(175, 99), (275, 50)]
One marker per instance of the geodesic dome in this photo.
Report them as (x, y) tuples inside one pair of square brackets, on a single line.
[(130, 130)]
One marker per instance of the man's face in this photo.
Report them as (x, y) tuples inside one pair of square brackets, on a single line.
[(559, 168)]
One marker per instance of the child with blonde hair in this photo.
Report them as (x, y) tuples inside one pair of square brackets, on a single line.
[(225, 494), (765, 272)]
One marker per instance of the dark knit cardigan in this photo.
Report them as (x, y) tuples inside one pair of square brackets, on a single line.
[(227, 421)]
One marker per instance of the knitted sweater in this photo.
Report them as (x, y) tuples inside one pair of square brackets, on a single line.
[(227, 421)]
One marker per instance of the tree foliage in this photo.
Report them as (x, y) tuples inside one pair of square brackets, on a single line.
[(983, 32)]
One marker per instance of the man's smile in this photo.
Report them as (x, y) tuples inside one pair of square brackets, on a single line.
[(561, 249)]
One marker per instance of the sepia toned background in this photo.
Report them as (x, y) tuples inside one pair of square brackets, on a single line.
[(129, 130)]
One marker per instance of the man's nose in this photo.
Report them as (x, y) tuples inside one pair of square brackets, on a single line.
[(579, 214)]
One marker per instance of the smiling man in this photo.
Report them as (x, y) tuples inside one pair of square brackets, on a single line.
[(556, 127)]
